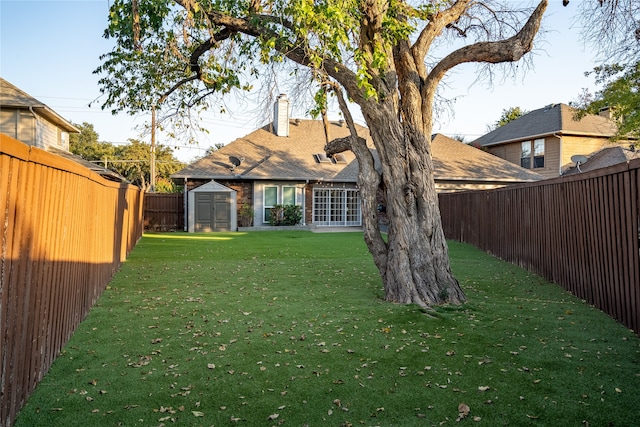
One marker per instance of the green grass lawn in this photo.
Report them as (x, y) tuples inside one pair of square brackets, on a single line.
[(290, 328)]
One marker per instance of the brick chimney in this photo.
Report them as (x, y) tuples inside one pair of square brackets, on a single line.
[(281, 116)]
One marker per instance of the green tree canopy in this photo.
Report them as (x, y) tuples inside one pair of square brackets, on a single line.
[(508, 115), (86, 145), (386, 56), (620, 94), (130, 160), (612, 28)]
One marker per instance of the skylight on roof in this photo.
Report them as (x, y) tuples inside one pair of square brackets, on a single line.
[(339, 158), (321, 158)]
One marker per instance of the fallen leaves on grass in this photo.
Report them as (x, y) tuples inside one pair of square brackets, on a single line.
[(463, 411)]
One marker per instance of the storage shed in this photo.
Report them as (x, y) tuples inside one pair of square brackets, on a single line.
[(212, 207)]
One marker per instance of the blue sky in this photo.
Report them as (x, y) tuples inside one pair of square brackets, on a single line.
[(49, 48)]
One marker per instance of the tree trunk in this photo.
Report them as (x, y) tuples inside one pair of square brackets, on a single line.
[(415, 266)]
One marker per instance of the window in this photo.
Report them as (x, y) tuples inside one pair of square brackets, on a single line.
[(270, 200), (538, 153), (339, 159), (288, 195), (336, 207), (336, 158), (277, 195), (63, 139), (532, 154), (525, 156), (321, 158)]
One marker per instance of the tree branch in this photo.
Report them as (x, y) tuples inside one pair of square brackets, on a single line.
[(255, 26), (369, 182), (435, 27), (508, 50)]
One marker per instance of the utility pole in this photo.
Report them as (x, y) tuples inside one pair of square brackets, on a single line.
[(152, 157)]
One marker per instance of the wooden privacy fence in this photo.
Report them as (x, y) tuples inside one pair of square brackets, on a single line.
[(580, 232), (64, 231), (164, 212)]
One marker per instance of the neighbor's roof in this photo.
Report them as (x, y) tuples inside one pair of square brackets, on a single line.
[(456, 161), (95, 167), (606, 157), (552, 119), (12, 97), (264, 156)]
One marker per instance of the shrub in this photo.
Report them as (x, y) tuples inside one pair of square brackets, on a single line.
[(246, 215), (285, 215)]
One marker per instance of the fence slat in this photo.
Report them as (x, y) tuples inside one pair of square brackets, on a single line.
[(581, 232), (64, 232), (164, 212)]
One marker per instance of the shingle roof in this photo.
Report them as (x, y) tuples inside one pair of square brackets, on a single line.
[(12, 97), (606, 157), (554, 118), (454, 160), (106, 173), (267, 156)]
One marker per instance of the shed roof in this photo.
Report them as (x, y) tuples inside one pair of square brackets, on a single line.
[(13, 97), (552, 119), (213, 187)]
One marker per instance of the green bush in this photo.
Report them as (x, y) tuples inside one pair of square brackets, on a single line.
[(285, 215), (246, 215)]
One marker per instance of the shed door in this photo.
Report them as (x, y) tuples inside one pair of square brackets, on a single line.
[(212, 212), (221, 212)]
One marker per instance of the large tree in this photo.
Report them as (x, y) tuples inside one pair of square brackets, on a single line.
[(130, 160), (620, 94), (612, 28), (86, 144), (380, 53), (508, 115)]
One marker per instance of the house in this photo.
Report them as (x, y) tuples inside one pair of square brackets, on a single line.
[(30, 121), (284, 163), (544, 140)]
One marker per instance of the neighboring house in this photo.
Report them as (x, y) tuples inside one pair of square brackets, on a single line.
[(544, 140), (459, 167), (30, 121), (284, 163), (606, 157)]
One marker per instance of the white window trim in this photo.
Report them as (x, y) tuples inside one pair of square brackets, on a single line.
[(279, 196), (328, 219), (532, 153)]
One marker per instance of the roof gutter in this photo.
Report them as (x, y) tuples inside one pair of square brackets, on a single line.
[(55, 118), (561, 149), (522, 138), (35, 126)]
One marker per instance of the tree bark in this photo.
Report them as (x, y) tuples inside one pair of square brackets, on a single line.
[(413, 262), (415, 268)]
